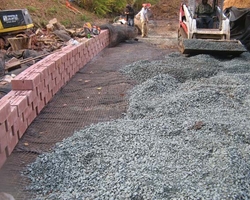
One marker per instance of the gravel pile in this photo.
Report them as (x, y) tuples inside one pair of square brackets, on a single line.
[(219, 46), (185, 136)]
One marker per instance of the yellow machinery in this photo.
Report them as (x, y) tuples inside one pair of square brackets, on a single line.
[(13, 22)]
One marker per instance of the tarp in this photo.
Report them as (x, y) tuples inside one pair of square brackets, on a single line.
[(240, 24)]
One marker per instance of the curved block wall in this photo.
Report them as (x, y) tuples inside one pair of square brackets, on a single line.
[(33, 88)]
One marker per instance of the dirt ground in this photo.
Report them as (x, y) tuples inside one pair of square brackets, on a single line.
[(96, 93)]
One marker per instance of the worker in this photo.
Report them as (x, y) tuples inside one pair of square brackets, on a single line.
[(130, 14), (143, 16), (203, 15)]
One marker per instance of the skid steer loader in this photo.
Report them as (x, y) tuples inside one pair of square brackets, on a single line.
[(215, 40)]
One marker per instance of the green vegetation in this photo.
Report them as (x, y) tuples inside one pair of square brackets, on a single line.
[(84, 18), (66, 23), (32, 9), (52, 10), (109, 7), (41, 23)]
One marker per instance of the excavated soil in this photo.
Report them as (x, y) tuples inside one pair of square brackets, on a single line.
[(95, 94), (237, 3)]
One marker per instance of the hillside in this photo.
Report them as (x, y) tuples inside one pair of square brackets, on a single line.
[(43, 11)]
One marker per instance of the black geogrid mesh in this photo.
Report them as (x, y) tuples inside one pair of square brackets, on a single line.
[(95, 94)]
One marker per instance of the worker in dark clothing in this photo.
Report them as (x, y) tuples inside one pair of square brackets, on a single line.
[(203, 14), (130, 14)]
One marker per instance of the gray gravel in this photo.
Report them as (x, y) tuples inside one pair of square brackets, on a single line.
[(185, 136)]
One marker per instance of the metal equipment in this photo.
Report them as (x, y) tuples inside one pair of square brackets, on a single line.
[(14, 28), (215, 40)]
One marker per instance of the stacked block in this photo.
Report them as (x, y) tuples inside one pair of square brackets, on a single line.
[(33, 88)]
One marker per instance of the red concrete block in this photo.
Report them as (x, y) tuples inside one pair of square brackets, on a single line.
[(13, 115), (83, 63), (86, 52), (31, 117), (65, 77), (91, 56), (75, 50), (72, 69), (58, 79), (3, 158), (66, 65), (56, 89), (48, 97), (12, 142), (30, 94), (24, 73), (39, 105), (16, 128), (41, 87), (82, 46), (58, 62), (51, 66), (27, 82), (79, 48), (81, 54), (4, 142), (3, 129), (70, 54), (70, 74), (83, 59), (61, 68), (46, 59), (4, 108), (63, 56), (27, 112), (51, 85), (22, 126), (68, 69), (60, 83), (21, 102), (56, 74), (42, 70)]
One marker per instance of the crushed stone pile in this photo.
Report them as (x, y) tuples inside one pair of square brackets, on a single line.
[(185, 136)]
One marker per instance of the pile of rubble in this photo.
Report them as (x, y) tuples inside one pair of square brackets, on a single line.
[(22, 50), (43, 42)]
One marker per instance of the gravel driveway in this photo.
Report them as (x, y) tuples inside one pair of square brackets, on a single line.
[(142, 122)]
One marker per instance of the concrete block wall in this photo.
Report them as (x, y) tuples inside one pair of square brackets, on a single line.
[(33, 88)]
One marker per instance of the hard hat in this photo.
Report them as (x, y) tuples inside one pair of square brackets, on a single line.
[(146, 4)]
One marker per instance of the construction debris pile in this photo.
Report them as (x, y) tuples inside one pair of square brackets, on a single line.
[(185, 136), (44, 42)]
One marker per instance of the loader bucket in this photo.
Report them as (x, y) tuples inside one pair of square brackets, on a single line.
[(205, 46)]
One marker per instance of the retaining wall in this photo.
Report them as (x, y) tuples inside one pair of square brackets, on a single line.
[(33, 88)]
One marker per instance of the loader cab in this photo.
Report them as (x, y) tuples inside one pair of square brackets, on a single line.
[(216, 15)]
